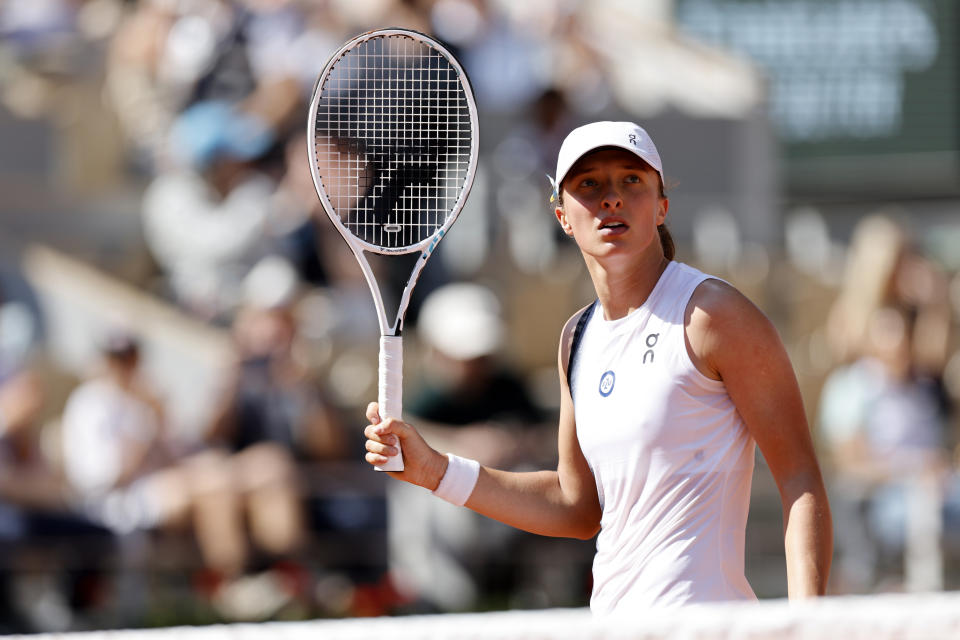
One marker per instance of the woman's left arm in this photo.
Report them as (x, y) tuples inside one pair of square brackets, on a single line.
[(732, 340)]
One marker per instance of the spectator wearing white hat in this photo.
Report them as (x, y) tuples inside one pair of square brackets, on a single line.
[(467, 381), (470, 402)]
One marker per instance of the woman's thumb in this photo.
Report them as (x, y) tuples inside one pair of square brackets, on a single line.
[(395, 426), (373, 413)]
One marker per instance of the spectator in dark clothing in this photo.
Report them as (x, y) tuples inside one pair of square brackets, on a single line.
[(274, 398)]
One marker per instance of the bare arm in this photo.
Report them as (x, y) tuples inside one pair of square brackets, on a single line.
[(731, 340), (21, 399), (552, 503)]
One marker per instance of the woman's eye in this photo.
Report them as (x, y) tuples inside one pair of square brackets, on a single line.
[(588, 183), (632, 178)]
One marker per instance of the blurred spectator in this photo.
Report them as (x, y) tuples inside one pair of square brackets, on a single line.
[(878, 413), (884, 427), (473, 404), (209, 94), (20, 393), (273, 417), (205, 222), (299, 224), (112, 442), (475, 400), (39, 588), (501, 58), (884, 268), (522, 160), (29, 485), (362, 15), (273, 398), (167, 56), (116, 460), (883, 412), (143, 92)]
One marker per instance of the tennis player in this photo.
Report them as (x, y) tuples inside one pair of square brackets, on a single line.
[(668, 381)]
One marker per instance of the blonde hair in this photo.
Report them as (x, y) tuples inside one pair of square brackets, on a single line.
[(875, 249)]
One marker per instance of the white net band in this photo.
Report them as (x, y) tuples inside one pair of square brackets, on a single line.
[(887, 617)]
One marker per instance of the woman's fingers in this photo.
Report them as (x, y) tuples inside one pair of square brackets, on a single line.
[(381, 441), (371, 432), (384, 446), (423, 465), (376, 459)]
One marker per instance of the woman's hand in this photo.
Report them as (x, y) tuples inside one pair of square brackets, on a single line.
[(423, 466)]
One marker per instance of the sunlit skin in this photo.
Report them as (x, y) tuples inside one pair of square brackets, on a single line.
[(611, 205)]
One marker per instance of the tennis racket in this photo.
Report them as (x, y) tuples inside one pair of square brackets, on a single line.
[(392, 137)]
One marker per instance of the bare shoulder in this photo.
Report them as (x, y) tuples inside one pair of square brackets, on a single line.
[(715, 302), (720, 321)]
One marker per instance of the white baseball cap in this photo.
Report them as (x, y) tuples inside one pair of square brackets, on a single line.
[(462, 320), (271, 284), (626, 135)]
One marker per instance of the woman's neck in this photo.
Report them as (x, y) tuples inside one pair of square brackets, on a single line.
[(623, 286)]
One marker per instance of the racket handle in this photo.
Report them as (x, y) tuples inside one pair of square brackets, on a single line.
[(390, 389)]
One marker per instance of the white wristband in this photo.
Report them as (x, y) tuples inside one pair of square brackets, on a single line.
[(459, 480)]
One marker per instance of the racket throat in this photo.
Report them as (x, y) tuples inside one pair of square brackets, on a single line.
[(392, 287)]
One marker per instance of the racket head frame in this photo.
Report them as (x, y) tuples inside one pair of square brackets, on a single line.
[(357, 245)]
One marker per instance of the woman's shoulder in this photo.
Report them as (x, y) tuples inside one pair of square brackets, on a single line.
[(721, 322), (715, 300)]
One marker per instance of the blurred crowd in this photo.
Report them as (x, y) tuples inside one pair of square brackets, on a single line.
[(200, 104), (886, 412)]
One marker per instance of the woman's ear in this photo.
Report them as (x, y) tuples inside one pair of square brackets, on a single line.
[(562, 219), (662, 211)]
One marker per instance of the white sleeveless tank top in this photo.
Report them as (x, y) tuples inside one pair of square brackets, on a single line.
[(672, 459)]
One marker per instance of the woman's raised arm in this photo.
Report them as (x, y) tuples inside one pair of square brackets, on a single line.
[(561, 503)]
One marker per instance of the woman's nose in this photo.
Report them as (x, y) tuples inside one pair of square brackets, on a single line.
[(611, 199)]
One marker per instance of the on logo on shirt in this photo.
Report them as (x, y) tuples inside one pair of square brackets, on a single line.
[(651, 343)]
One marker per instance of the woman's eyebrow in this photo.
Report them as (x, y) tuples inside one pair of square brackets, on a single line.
[(579, 170)]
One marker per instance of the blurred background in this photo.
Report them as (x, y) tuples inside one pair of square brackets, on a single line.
[(186, 345)]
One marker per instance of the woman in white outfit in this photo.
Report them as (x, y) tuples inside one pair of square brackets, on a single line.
[(668, 380)]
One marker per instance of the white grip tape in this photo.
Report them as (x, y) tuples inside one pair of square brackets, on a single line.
[(459, 480), (390, 389)]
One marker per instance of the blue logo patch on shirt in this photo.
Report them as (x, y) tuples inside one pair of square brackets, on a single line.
[(607, 381)]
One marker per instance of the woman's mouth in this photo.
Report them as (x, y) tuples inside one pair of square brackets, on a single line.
[(613, 227)]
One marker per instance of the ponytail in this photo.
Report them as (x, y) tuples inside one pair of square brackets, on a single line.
[(666, 241)]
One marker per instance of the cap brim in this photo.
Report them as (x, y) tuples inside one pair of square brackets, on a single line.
[(561, 176)]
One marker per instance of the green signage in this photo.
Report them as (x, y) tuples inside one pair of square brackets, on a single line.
[(862, 93)]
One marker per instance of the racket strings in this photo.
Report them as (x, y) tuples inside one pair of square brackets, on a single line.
[(393, 140)]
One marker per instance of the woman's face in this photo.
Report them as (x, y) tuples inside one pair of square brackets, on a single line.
[(611, 204)]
